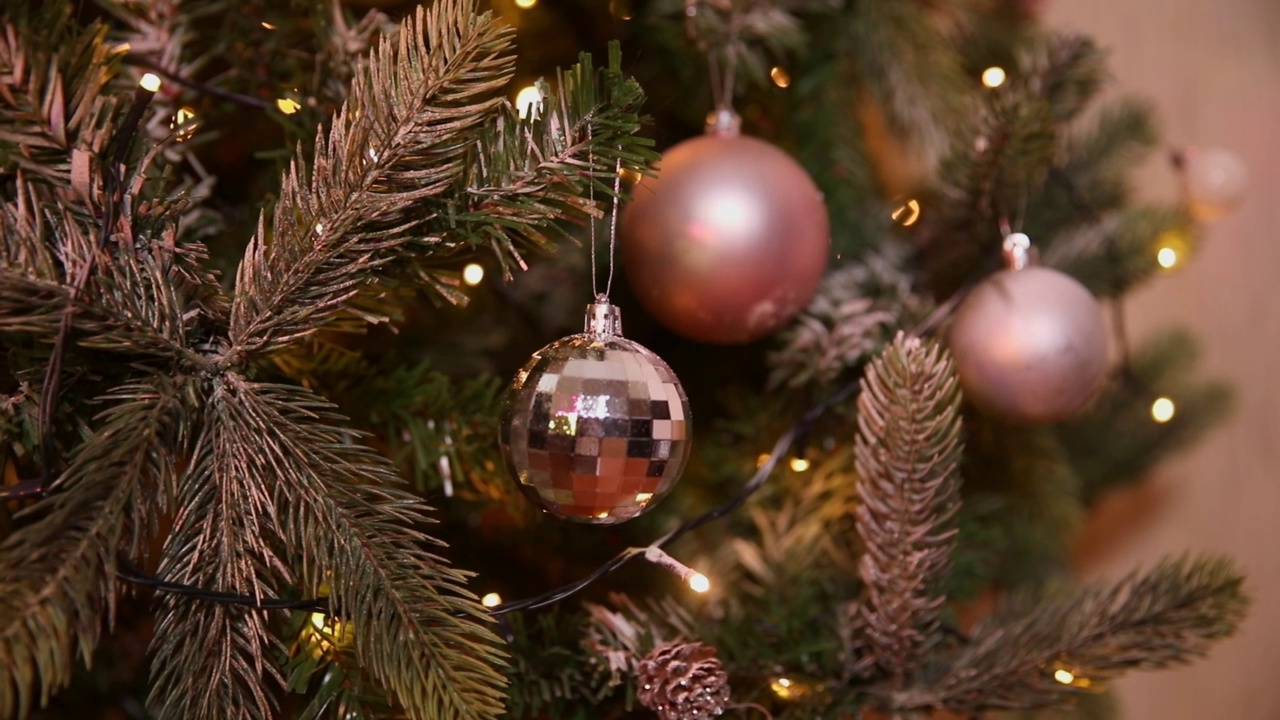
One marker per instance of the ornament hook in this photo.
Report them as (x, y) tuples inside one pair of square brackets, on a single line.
[(613, 222)]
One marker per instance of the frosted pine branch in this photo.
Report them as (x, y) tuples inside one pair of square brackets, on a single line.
[(1166, 616), (907, 454), (851, 316)]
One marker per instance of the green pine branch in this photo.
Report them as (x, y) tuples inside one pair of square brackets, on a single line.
[(342, 514), (1011, 143), (524, 177), (426, 161), (906, 62), (400, 137), (1166, 616), (57, 573), (1116, 443), (212, 660), (907, 456), (54, 117)]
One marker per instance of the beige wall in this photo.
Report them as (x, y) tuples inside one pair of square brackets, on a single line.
[(1213, 69)]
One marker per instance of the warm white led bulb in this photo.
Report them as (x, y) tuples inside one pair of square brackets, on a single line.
[(699, 582), (150, 82), (490, 600), (529, 101), (472, 274), (1162, 410), (993, 77)]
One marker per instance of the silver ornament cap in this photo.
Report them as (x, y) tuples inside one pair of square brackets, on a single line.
[(595, 427), (1030, 343)]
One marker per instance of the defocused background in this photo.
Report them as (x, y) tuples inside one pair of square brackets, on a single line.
[(1213, 70)]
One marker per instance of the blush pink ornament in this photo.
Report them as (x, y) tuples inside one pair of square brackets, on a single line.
[(729, 241), (1029, 343)]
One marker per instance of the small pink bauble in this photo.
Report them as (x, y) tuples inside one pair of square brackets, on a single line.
[(1215, 181)]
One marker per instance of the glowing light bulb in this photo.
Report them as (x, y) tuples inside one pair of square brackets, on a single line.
[(182, 123), (782, 687), (268, 25), (760, 461), (699, 583), (780, 76), (150, 82), (621, 9), (288, 106), (472, 274), (1162, 410), (529, 101), (1066, 677), (908, 213), (993, 77), (319, 620), (1167, 257), (526, 4), (799, 464), (492, 599)]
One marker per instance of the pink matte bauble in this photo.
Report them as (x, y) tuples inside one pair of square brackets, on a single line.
[(1030, 345), (728, 242)]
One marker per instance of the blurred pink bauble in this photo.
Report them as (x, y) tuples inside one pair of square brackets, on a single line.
[(1214, 180), (1030, 345)]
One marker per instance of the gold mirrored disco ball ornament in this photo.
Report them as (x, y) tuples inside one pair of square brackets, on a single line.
[(595, 427)]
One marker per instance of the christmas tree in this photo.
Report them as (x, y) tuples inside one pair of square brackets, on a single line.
[(268, 268)]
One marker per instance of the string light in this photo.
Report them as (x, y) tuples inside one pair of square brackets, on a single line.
[(782, 688), (908, 213), (472, 274), (630, 178), (526, 4), (182, 123), (268, 25), (150, 82), (327, 633), (1162, 410), (490, 600), (1065, 676), (795, 687), (288, 106), (1171, 246), (799, 464), (621, 9), (761, 460), (993, 77), (780, 76), (698, 582), (528, 101)]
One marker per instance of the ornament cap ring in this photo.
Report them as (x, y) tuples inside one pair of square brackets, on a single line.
[(1017, 251), (724, 122), (603, 319)]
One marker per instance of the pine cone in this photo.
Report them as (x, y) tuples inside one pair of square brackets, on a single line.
[(683, 681)]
